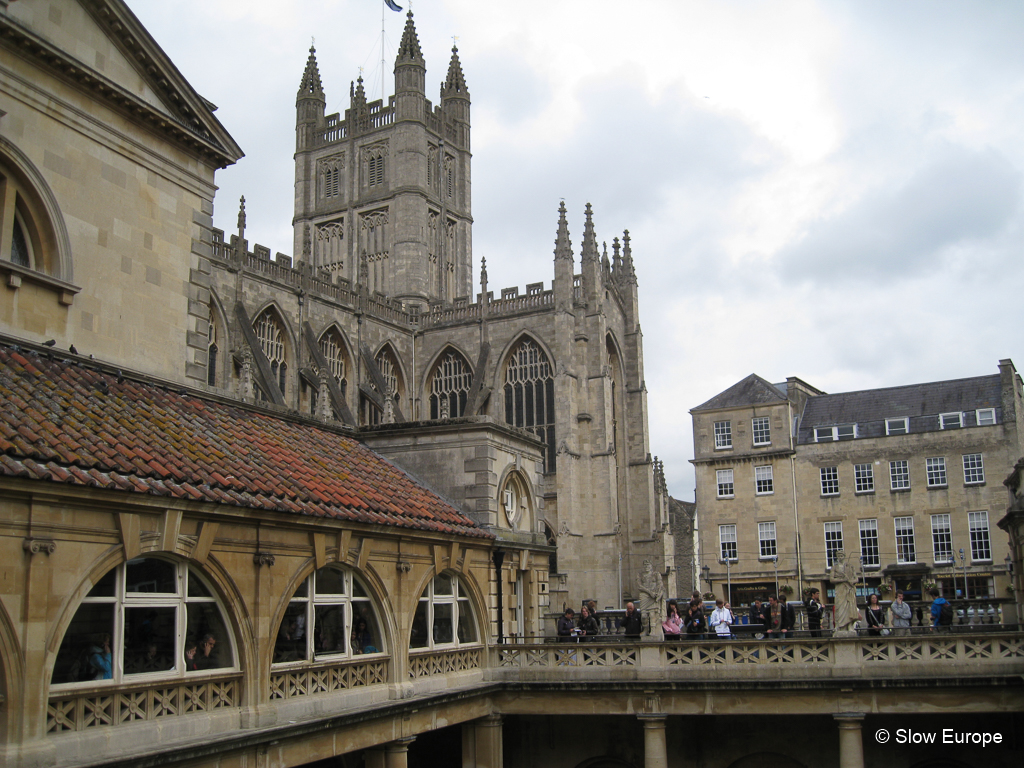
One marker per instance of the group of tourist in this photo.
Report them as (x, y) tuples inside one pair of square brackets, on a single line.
[(775, 618)]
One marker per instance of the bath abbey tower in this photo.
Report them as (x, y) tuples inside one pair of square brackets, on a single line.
[(528, 409)]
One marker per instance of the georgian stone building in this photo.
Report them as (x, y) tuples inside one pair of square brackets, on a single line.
[(906, 480)]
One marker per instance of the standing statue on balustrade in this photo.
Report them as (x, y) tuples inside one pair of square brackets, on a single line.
[(652, 598), (844, 576)]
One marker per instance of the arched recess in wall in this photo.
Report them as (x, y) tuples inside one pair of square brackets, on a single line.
[(336, 350), (527, 384), (278, 344), (390, 366), (154, 617), (12, 673), (616, 370), (449, 379), (333, 614), (33, 234), (217, 347), (447, 614)]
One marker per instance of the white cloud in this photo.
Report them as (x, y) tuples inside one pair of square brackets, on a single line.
[(830, 190)]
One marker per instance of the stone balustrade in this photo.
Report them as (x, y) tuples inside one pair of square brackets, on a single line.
[(924, 655)]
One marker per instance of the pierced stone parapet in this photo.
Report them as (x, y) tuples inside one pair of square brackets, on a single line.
[(444, 662), (97, 707), (327, 678)]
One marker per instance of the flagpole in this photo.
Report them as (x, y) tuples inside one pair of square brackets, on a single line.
[(383, 8)]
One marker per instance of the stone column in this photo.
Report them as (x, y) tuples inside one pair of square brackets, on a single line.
[(373, 758), (489, 745), (655, 748), (851, 746), (396, 753)]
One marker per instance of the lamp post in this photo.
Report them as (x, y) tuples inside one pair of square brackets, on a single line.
[(728, 577), (963, 562), (775, 562), (706, 570)]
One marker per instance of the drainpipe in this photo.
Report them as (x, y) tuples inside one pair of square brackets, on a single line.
[(499, 558), (796, 515)]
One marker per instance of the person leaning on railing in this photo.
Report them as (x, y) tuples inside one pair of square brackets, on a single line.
[(566, 624), (673, 624), (588, 623), (901, 614), (721, 620), (694, 621)]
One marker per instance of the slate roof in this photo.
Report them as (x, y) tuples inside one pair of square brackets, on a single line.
[(753, 390), (921, 403), (63, 422)]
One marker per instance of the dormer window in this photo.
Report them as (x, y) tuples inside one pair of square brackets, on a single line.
[(832, 434), (951, 420), (986, 417), (897, 426)]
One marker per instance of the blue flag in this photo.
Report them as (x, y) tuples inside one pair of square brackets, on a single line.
[(392, 5)]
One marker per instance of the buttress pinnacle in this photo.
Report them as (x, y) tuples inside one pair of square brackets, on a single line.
[(455, 83), (311, 85), (589, 250), (409, 47), (563, 248)]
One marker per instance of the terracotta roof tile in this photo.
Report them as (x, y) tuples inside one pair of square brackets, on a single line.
[(57, 425)]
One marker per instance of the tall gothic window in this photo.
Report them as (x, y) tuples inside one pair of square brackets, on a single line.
[(333, 348), (449, 176), (212, 351), (389, 370), (330, 245), (373, 242), (375, 157), (449, 387), (530, 396), (441, 256), (330, 169), (431, 165), (268, 331)]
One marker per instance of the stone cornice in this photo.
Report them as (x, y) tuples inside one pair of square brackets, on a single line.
[(739, 458), (209, 141)]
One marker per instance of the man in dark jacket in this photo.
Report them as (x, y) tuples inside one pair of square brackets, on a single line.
[(631, 622), (815, 610), (759, 613), (566, 624), (788, 616)]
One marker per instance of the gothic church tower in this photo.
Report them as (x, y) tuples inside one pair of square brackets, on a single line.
[(382, 196)]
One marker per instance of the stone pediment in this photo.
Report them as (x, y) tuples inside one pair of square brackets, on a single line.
[(101, 47)]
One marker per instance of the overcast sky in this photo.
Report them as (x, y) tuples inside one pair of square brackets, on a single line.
[(830, 190)]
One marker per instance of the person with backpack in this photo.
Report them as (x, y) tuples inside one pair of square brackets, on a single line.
[(942, 610)]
